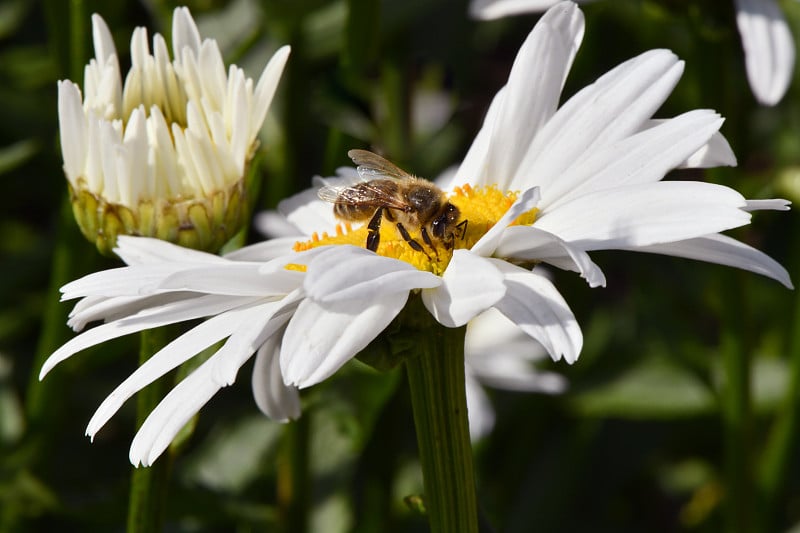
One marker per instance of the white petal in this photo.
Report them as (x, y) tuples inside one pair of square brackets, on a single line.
[(646, 214), (724, 251), (768, 48), (774, 204), (184, 33), (103, 42), (470, 285), (534, 304), (612, 108), (716, 153), (212, 72), (479, 409), (531, 243), (239, 116), (273, 224), (308, 213), (72, 128), (137, 250), (540, 69), (168, 358), (170, 313), (264, 251), (644, 157), (266, 86), (350, 272), (495, 9), (322, 338), (276, 400), (262, 323), (174, 411), (513, 372), (235, 279), (487, 244)]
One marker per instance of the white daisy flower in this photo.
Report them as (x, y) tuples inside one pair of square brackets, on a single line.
[(590, 174), (769, 48), (165, 154)]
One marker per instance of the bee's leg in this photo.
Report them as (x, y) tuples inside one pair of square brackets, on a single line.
[(411, 242), (374, 230), (429, 242), (462, 228)]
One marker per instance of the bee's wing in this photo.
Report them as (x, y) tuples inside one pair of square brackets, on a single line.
[(364, 194), (331, 193), (372, 166)]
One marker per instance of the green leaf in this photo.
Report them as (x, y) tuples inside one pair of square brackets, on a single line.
[(656, 388)]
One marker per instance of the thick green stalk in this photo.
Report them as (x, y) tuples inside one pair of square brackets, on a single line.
[(294, 482), (438, 399), (779, 457), (149, 485), (737, 416)]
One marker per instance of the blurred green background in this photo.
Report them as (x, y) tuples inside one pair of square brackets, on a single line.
[(682, 413)]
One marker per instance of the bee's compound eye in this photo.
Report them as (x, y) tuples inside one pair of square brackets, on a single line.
[(437, 227)]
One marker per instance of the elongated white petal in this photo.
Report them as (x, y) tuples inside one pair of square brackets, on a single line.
[(534, 304), (168, 358), (262, 324), (350, 272), (275, 399), (768, 48), (531, 243), (308, 213), (615, 106), (500, 355), (235, 279), (136, 280), (72, 129), (138, 250), (724, 251), (263, 251), (495, 9), (94, 308), (273, 224), (488, 243), (716, 153), (321, 338), (540, 68), (479, 409), (644, 157), (646, 214), (509, 371), (773, 204), (170, 313), (184, 33), (102, 40), (470, 285), (266, 86), (174, 411)]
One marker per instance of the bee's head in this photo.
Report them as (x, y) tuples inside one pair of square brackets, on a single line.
[(447, 219)]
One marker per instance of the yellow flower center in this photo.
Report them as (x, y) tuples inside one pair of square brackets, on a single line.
[(480, 207)]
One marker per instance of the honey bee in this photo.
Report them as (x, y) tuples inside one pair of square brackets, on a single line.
[(388, 192)]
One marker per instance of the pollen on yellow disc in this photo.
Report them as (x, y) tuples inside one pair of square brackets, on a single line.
[(480, 207)]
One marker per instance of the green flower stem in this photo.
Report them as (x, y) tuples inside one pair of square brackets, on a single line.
[(149, 485), (779, 457), (439, 402), (294, 481), (737, 414)]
